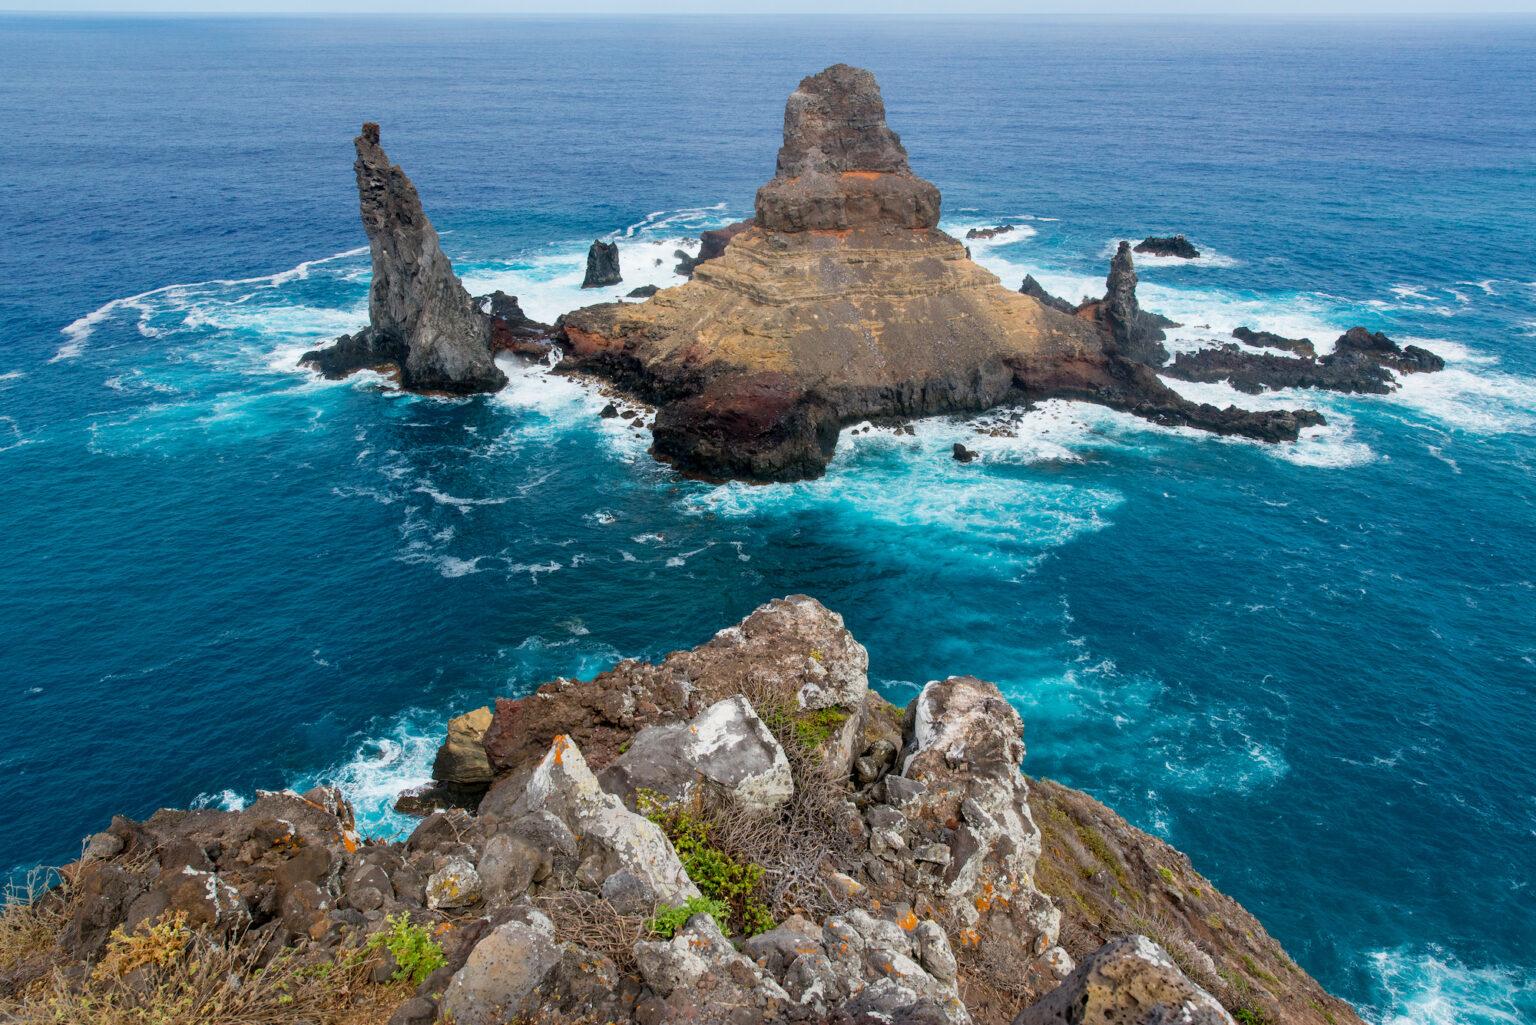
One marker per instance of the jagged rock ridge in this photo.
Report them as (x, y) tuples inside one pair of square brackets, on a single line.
[(421, 321), (910, 870), (844, 302)]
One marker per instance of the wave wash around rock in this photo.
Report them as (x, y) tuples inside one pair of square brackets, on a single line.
[(740, 834), (844, 302)]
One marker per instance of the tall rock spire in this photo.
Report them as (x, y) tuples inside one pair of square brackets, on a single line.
[(419, 315)]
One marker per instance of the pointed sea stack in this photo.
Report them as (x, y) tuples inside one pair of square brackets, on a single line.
[(1137, 334), (843, 301), (421, 321)]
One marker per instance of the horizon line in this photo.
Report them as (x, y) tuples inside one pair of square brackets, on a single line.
[(631, 14)]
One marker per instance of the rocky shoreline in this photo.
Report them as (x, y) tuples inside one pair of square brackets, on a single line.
[(742, 832)]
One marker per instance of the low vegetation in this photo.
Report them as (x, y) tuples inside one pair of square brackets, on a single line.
[(733, 884)]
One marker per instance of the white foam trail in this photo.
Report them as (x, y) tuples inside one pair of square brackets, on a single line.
[(1431, 986), (78, 332), (912, 481), (12, 375)]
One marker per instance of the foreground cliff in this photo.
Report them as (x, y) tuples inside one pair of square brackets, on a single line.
[(843, 301), (743, 832)]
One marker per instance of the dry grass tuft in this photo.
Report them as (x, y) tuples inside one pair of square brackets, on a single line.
[(33, 912), (798, 843), (593, 923), (164, 973)]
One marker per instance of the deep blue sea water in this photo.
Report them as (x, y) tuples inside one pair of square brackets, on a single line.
[(1309, 666)]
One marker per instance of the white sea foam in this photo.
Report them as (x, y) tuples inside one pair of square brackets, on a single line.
[(224, 800), (912, 481), (1018, 232), (11, 435), (12, 375), (78, 332), (1430, 986), (399, 756)]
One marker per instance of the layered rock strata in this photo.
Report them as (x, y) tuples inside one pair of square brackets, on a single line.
[(912, 873), (844, 302), (422, 324)]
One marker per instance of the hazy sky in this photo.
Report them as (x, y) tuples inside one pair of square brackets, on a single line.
[(1083, 8)]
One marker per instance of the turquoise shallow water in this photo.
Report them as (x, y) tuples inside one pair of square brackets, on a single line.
[(1308, 666)]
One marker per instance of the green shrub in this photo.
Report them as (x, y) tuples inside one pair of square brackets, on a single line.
[(718, 876), (672, 917), (813, 729), (417, 955)]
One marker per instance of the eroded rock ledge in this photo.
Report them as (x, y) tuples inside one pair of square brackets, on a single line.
[(843, 301), (870, 864)]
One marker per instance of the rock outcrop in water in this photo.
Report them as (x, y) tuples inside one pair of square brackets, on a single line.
[(1137, 334), (865, 863), (421, 321), (602, 265), (844, 302), (1361, 362), (1171, 245), (1269, 340)]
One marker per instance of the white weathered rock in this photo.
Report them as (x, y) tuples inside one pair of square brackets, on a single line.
[(726, 745), (502, 969), (1128, 981), (698, 976), (627, 843), (455, 885), (960, 765)]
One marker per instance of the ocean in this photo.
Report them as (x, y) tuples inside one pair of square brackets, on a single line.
[(1308, 666)]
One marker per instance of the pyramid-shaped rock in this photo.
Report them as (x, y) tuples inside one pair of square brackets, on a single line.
[(844, 301)]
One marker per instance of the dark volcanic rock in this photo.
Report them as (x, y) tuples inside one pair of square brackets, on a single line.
[(962, 454), (602, 265), (1269, 340), (840, 164), (1172, 245), (1001, 229), (420, 318), (643, 292), (1359, 344), (1254, 372), (1137, 335), (512, 330), (1360, 362), (1035, 290), (712, 243)]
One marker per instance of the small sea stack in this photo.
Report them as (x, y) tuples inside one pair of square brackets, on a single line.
[(602, 265), (422, 324)]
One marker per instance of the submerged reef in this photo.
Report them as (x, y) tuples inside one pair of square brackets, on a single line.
[(743, 832)]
